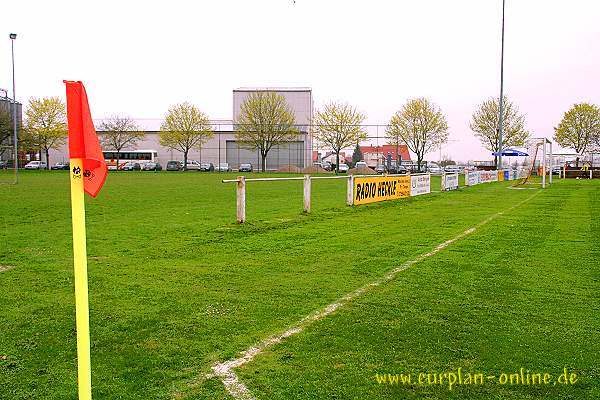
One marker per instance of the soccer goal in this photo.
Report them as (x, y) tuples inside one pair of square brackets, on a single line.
[(538, 162)]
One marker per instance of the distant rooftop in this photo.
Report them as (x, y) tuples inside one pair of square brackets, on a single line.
[(273, 89)]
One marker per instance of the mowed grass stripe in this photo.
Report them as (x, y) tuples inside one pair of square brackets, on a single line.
[(225, 370), (507, 297), (175, 285)]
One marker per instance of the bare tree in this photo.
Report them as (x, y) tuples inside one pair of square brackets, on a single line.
[(119, 133), (420, 125), (265, 120), (338, 125), (185, 128), (486, 120)]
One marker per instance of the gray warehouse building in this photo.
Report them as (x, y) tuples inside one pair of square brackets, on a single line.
[(7, 134), (223, 147)]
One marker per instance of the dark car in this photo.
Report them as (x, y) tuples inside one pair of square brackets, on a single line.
[(401, 170), (60, 166), (173, 165), (152, 166), (380, 168), (131, 166), (245, 168), (206, 167)]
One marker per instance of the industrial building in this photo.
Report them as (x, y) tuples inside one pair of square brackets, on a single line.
[(223, 147), (7, 126)]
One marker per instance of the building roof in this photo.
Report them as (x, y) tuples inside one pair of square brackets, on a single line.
[(387, 148), (273, 89)]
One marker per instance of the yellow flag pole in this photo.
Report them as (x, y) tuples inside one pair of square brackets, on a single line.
[(82, 314)]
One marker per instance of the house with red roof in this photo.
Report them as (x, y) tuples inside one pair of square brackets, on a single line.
[(374, 155)]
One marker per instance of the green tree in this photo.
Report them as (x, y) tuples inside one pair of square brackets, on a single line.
[(486, 120), (356, 155), (46, 124), (338, 125), (579, 128), (265, 121), (118, 133), (420, 125), (185, 128)]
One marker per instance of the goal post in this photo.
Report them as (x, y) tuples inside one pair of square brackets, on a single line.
[(538, 162)]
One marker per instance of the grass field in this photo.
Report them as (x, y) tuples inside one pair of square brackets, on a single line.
[(176, 286)]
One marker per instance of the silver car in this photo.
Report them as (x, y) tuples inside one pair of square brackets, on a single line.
[(223, 167)]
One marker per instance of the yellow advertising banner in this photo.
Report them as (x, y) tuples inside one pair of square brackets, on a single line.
[(380, 188)]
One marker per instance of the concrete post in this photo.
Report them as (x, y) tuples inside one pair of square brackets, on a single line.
[(350, 191), (307, 194), (241, 200)]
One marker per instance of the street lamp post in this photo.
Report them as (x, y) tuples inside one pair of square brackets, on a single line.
[(12, 37), (500, 121)]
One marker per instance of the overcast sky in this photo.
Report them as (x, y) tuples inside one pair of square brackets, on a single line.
[(139, 58)]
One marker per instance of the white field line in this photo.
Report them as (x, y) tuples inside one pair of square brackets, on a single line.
[(238, 390)]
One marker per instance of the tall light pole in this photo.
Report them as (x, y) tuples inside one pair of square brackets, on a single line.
[(499, 164), (13, 36)]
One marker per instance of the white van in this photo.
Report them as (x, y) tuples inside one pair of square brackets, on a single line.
[(36, 165)]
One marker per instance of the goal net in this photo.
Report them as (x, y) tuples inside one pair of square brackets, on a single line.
[(537, 163)]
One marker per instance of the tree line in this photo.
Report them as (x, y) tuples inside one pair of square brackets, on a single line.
[(266, 120)]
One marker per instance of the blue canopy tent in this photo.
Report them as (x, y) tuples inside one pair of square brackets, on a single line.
[(511, 153)]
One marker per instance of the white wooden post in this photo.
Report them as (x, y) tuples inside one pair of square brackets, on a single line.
[(591, 174), (443, 182), (241, 200), (307, 193), (350, 191)]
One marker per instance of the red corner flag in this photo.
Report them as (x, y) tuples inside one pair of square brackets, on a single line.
[(83, 141)]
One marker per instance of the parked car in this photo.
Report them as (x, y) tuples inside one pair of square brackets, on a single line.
[(361, 164), (131, 166), (435, 169), (3, 164), (173, 165), (192, 165), (327, 166), (60, 166), (452, 169), (380, 169), (245, 168), (343, 168), (224, 167), (152, 166), (36, 165), (207, 167)]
